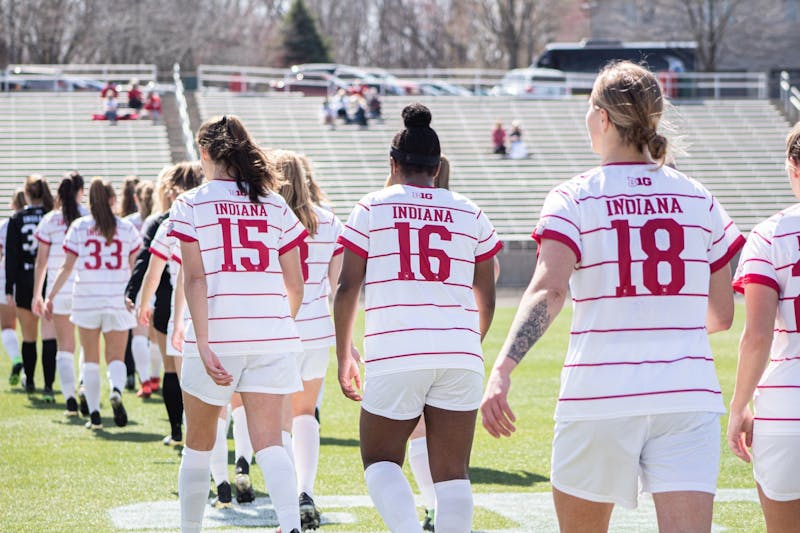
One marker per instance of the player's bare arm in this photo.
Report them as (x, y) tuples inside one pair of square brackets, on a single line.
[(345, 304), (719, 316)]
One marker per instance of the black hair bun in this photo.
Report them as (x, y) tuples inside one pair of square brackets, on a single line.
[(416, 116)]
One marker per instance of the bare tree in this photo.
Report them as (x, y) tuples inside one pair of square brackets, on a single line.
[(516, 25)]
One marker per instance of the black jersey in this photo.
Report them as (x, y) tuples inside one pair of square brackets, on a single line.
[(21, 246)]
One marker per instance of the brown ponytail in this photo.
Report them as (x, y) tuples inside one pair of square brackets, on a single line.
[(101, 193), (18, 200), (128, 206), (228, 144), (37, 190), (178, 178), (295, 188), (144, 193), (67, 190)]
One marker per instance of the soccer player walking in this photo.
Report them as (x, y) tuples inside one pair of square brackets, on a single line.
[(645, 252), (425, 254), (769, 366)]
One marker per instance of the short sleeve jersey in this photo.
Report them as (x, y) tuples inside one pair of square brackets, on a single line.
[(51, 231), (421, 246), (136, 220), (167, 248), (647, 240), (314, 318), (770, 258), (102, 268), (240, 244)]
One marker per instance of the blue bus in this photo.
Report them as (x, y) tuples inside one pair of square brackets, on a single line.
[(591, 55)]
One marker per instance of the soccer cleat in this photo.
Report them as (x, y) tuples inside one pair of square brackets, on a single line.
[(316, 414), (427, 524), (94, 421), (72, 407), (48, 396), (244, 488), (145, 391), (170, 441), (309, 515), (13, 379), (30, 387), (84, 407), (130, 382), (223, 499), (155, 384), (120, 415)]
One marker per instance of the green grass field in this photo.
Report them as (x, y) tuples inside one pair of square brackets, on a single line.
[(58, 476)]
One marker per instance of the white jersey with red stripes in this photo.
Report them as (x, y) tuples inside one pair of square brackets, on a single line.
[(647, 240), (102, 268), (771, 257), (167, 248), (136, 220), (51, 231), (421, 245), (240, 244), (314, 318)]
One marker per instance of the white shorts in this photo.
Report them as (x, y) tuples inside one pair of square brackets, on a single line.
[(107, 320), (62, 303), (403, 395), (776, 463), (313, 363), (268, 374), (604, 460)]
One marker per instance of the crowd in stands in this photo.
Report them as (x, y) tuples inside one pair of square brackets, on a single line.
[(110, 106), (358, 106), (517, 148), (221, 272)]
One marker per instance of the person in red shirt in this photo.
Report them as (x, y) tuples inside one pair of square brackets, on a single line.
[(135, 96), (499, 138), (153, 106), (109, 88)]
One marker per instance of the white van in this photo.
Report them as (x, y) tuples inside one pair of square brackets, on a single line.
[(533, 83)]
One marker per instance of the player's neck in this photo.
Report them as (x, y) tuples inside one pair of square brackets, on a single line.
[(418, 181), (623, 153)]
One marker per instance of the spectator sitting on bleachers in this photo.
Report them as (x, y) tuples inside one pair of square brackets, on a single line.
[(110, 106), (109, 88), (135, 96), (328, 114), (374, 105), (517, 148), (499, 138), (153, 106)]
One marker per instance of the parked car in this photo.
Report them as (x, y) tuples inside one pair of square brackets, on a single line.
[(532, 83), (442, 88), (310, 82)]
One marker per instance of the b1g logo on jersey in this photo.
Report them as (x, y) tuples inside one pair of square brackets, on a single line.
[(643, 181), (422, 195)]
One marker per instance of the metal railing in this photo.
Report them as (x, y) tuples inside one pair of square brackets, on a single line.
[(790, 96), (75, 76), (183, 113)]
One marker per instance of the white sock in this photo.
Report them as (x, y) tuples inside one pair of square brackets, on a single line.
[(241, 437), (418, 459), (453, 506), (11, 344), (286, 440), (193, 488), (140, 347), (117, 373), (155, 360), (219, 455), (65, 363), (280, 480), (392, 496), (305, 444), (81, 365), (91, 385)]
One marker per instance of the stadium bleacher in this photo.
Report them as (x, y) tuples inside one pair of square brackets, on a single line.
[(735, 147), (52, 133)]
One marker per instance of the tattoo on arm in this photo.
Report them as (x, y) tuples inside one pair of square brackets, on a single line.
[(527, 330)]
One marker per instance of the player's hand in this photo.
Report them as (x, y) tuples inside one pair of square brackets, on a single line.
[(498, 418), (10, 300), (130, 306), (145, 314), (350, 378), (37, 305), (740, 432), (214, 367), (48, 309), (355, 353), (178, 335)]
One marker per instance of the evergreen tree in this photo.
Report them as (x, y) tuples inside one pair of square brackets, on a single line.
[(302, 42)]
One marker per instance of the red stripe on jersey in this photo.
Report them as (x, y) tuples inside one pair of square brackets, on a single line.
[(354, 229), (362, 205), (732, 250), (248, 340), (43, 241), (176, 221), (181, 236), (443, 306), (295, 243), (319, 338), (561, 218), (405, 330), (219, 294), (604, 228), (491, 253), (390, 254), (487, 238), (177, 259), (353, 247), (228, 201), (620, 330), (740, 282), (793, 233), (134, 250), (158, 254), (327, 315), (645, 362), (69, 250), (560, 237), (425, 205), (778, 387), (338, 251), (419, 280), (420, 354), (614, 296), (762, 237), (614, 262), (776, 419), (663, 195), (634, 394), (781, 359), (248, 317)]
